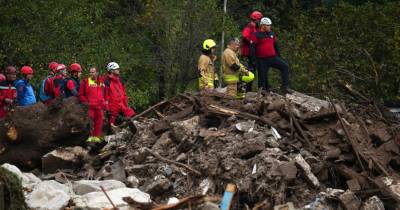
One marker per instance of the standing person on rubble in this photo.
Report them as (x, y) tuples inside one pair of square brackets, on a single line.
[(235, 73), (268, 55), (25, 94), (73, 81), (115, 96), (42, 94), (246, 41), (55, 86), (206, 68), (92, 93), (8, 92)]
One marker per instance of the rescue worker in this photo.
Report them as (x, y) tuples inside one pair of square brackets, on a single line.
[(246, 41), (72, 82), (8, 93), (115, 95), (42, 94), (92, 93), (55, 86), (25, 94), (206, 68), (234, 70), (268, 55)]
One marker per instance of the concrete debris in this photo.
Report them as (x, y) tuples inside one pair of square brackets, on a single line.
[(272, 148), (373, 203), (98, 200), (48, 195), (82, 187), (349, 200), (63, 158)]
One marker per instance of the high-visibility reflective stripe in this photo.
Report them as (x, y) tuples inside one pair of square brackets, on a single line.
[(7, 88)]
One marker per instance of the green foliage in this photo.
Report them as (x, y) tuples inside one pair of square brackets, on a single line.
[(157, 43)]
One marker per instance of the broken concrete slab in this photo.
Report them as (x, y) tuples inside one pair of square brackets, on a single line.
[(48, 195), (303, 165), (98, 201), (82, 187), (310, 103), (132, 181), (63, 158)]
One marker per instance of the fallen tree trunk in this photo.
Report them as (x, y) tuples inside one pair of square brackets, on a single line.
[(28, 133)]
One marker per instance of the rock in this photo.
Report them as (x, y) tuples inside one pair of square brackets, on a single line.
[(98, 201), (132, 181), (87, 186), (173, 200), (289, 170), (184, 128), (349, 200), (303, 165), (159, 186), (27, 179), (353, 185), (48, 195), (206, 186), (162, 142), (63, 158), (116, 171), (246, 126), (373, 203)]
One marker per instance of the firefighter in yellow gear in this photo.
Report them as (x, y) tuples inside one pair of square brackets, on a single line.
[(206, 68), (235, 73)]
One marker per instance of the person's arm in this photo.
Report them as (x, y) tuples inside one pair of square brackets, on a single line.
[(48, 89), (82, 92), (203, 70), (253, 46), (72, 87), (21, 89), (276, 46)]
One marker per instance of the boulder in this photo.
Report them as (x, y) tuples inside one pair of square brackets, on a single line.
[(82, 187), (48, 195), (63, 158), (27, 179), (98, 201)]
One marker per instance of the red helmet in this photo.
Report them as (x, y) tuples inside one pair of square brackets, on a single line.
[(26, 70), (256, 15), (52, 66), (11, 70), (75, 67), (60, 67)]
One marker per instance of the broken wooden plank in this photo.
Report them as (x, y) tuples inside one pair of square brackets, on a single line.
[(149, 109)]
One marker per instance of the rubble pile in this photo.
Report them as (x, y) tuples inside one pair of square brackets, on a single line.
[(279, 152), (275, 149)]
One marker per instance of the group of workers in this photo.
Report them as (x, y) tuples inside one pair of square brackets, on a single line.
[(259, 46), (99, 93)]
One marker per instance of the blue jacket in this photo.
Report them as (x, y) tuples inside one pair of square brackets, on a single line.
[(25, 93)]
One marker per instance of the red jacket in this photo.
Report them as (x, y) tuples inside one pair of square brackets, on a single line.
[(266, 45), (7, 91), (55, 86), (247, 33), (92, 92), (115, 91)]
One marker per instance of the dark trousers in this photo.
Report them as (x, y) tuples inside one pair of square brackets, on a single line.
[(263, 65)]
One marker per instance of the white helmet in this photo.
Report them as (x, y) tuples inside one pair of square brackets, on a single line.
[(265, 21), (112, 66)]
